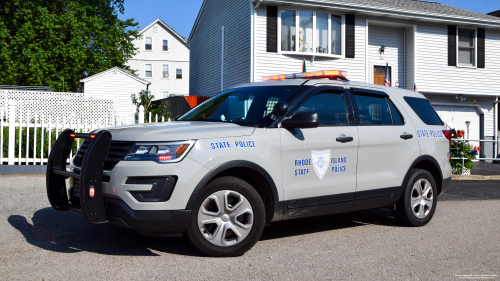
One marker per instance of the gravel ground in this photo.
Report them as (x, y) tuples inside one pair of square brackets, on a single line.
[(37, 242)]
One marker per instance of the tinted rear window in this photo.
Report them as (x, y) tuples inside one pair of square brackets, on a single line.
[(424, 110)]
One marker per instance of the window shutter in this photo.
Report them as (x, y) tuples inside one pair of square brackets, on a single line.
[(481, 54), (452, 45), (272, 29), (349, 36)]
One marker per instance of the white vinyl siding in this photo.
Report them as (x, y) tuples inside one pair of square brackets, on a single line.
[(434, 74), (177, 56), (393, 40), (120, 87), (273, 64), (206, 46)]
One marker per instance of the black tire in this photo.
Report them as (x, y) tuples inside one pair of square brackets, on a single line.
[(404, 213), (259, 217)]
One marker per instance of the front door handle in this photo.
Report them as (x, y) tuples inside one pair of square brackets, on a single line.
[(406, 136), (344, 139)]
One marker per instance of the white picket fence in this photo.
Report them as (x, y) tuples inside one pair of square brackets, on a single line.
[(29, 137)]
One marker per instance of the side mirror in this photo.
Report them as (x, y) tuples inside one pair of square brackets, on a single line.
[(302, 120), (280, 109)]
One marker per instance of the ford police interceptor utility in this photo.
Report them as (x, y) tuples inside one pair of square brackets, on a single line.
[(292, 146)]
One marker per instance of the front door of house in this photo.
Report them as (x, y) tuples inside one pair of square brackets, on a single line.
[(379, 74)]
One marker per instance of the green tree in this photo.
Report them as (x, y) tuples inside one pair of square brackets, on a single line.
[(145, 98), (43, 41)]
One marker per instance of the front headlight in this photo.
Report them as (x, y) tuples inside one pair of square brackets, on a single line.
[(161, 152)]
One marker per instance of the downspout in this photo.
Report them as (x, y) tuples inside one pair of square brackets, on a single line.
[(495, 127)]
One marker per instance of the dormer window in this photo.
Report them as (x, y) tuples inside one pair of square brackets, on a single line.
[(149, 44)]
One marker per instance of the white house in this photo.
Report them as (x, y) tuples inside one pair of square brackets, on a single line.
[(451, 55), (119, 85), (162, 59)]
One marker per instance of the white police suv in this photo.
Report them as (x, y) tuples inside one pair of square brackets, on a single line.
[(292, 146)]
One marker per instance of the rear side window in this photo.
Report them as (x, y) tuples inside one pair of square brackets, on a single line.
[(424, 110), (397, 119)]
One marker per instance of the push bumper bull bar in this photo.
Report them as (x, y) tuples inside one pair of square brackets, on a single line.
[(91, 174)]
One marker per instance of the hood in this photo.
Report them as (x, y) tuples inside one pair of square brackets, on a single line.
[(177, 130)]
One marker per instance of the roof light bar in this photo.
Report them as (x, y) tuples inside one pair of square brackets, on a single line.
[(328, 74)]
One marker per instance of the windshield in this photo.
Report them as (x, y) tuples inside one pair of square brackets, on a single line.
[(243, 106)]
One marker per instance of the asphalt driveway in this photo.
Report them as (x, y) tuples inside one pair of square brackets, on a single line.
[(37, 242)]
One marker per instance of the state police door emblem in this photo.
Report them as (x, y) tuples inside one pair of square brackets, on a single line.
[(320, 161)]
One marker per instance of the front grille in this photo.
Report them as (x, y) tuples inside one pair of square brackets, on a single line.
[(116, 153)]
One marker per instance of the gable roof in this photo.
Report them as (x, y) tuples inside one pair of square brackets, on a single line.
[(168, 28), (495, 13), (143, 81), (419, 6)]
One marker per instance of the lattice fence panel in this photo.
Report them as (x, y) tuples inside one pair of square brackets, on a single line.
[(75, 108)]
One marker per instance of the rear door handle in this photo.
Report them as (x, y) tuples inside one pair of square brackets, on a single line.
[(406, 136), (344, 139)]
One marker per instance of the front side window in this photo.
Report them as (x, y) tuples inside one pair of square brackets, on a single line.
[(330, 107), (178, 73), (466, 46), (311, 32), (165, 45), (149, 44), (288, 30), (164, 71), (149, 70), (373, 110), (247, 106)]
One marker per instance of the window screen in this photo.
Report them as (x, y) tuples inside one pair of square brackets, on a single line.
[(330, 107), (373, 110), (149, 70), (424, 110)]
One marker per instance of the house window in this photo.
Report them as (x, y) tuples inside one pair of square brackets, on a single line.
[(336, 35), (311, 32), (466, 47), (149, 44), (149, 70), (321, 33), (164, 94), (165, 45), (178, 73), (164, 71), (288, 30)]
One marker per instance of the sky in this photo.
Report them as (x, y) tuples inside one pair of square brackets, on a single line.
[(181, 15)]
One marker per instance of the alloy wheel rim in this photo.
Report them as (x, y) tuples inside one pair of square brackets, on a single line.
[(225, 218), (422, 198)]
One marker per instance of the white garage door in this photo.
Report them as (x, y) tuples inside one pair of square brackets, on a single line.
[(456, 116)]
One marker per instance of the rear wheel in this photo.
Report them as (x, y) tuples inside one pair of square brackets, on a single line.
[(227, 219), (418, 201)]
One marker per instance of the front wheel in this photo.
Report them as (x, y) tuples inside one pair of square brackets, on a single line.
[(418, 201), (227, 219)]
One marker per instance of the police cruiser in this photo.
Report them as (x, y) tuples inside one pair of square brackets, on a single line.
[(291, 146)]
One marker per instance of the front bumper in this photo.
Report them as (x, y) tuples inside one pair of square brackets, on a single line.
[(165, 223), (98, 202)]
